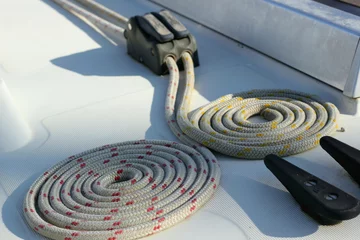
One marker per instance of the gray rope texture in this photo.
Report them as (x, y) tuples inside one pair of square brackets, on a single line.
[(295, 121), (93, 18), (121, 191)]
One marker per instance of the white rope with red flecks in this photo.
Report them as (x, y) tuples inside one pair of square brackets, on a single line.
[(93, 18), (121, 191), (295, 121)]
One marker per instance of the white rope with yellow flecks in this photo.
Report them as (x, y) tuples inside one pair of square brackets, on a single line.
[(296, 121), (121, 191)]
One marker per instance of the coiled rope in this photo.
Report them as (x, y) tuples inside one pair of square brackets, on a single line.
[(133, 189), (121, 191), (296, 121)]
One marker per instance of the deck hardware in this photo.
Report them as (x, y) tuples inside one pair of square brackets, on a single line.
[(155, 36), (347, 156), (322, 201)]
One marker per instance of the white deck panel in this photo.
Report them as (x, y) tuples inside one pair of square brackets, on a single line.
[(76, 91)]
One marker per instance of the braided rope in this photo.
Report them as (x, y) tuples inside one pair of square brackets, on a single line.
[(104, 10), (296, 121), (94, 19), (121, 191)]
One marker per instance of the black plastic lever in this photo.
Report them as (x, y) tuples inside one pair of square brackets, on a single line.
[(322, 201), (152, 26), (172, 23), (347, 156)]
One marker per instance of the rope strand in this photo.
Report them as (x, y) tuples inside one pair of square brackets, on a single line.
[(121, 191), (94, 19), (295, 121)]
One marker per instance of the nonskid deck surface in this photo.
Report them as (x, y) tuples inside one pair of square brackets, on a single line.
[(77, 90)]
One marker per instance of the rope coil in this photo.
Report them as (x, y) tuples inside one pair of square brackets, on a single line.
[(295, 121), (121, 191)]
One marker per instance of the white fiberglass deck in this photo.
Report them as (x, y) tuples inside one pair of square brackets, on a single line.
[(76, 90)]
